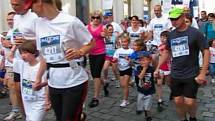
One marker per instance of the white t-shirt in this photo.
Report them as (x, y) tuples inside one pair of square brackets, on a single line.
[(51, 34), (157, 25), (23, 25), (212, 57), (121, 55), (135, 34), (28, 76), (7, 50), (116, 27)]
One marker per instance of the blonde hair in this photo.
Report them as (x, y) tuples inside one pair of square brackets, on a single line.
[(125, 35), (98, 13)]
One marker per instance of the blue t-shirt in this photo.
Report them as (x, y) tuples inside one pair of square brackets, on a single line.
[(209, 30), (135, 59)]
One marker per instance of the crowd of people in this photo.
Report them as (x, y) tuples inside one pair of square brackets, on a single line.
[(44, 53)]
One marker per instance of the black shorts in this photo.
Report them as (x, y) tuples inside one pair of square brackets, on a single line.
[(16, 77), (184, 87), (96, 64), (126, 72)]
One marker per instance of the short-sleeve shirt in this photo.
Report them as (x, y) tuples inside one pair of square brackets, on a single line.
[(28, 77), (52, 36), (157, 25), (146, 86), (121, 55), (185, 47)]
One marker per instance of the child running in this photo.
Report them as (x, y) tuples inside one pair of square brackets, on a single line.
[(164, 72), (110, 45), (34, 101), (145, 85), (125, 70)]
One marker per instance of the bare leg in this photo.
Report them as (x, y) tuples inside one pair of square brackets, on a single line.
[(180, 107), (191, 105), (97, 85)]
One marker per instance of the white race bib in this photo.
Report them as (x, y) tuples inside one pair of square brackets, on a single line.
[(180, 46), (51, 48), (28, 92)]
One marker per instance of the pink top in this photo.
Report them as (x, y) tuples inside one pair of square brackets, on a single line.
[(100, 43)]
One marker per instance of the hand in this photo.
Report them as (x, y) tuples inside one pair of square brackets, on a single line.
[(38, 85), (156, 73), (200, 79), (72, 54), (47, 104), (19, 41)]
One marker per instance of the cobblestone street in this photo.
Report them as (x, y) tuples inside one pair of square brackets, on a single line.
[(109, 110)]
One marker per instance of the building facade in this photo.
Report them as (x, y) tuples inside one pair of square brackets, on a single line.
[(120, 8)]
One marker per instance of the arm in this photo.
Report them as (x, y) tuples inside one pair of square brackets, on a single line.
[(37, 85), (201, 77), (74, 54), (165, 55), (47, 100), (12, 53), (149, 35), (142, 73)]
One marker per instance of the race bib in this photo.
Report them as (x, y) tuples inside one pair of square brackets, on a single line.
[(51, 49), (28, 92), (180, 46)]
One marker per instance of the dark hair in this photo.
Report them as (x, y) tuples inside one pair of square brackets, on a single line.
[(211, 41), (140, 42), (164, 33), (29, 46), (136, 17), (58, 4), (204, 12), (188, 16), (211, 15), (11, 13), (109, 25)]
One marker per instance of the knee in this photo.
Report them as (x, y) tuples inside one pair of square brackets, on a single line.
[(179, 101), (190, 102)]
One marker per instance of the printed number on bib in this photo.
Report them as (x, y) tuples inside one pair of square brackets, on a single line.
[(180, 47), (28, 92), (51, 48)]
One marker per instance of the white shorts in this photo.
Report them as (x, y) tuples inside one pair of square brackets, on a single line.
[(34, 110), (165, 73)]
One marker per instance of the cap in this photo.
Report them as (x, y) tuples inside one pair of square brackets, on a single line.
[(144, 54), (175, 12), (108, 14)]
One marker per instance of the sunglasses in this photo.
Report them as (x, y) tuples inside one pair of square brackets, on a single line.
[(174, 19), (95, 17)]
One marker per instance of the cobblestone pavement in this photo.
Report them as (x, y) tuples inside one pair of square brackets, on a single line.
[(109, 110)]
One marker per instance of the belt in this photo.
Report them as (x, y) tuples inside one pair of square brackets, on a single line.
[(49, 65)]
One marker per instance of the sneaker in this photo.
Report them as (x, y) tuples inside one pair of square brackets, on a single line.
[(159, 107), (117, 84), (12, 116), (148, 118), (138, 112), (94, 102), (124, 103), (193, 119), (106, 91)]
